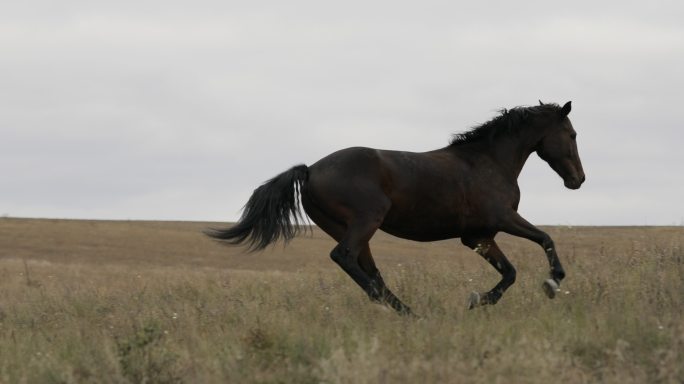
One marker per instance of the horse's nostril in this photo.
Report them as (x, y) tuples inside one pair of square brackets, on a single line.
[(583, 178)]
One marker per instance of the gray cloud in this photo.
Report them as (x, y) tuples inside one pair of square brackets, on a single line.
[(171, 110)]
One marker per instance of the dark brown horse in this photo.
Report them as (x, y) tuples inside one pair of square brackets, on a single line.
[(468, 189)]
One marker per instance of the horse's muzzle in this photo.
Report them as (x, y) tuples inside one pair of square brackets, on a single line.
[(574, 182)]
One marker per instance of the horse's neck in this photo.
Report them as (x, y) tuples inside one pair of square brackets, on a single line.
[(511, 153)]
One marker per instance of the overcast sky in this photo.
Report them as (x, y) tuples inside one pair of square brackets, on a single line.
[(178, 110)]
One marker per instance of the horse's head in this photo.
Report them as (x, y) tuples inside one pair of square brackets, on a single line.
[(559, 148)]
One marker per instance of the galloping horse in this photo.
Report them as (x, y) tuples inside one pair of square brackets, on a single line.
[(467, 190)]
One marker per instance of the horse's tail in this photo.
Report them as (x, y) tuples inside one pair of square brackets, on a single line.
[(272, 212)]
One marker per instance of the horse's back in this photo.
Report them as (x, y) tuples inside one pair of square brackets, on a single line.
[(393, 172), (408, 190)]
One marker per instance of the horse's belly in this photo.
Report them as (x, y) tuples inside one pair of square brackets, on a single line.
[(423, 228)]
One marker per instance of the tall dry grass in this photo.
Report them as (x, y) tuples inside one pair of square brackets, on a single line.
[(617, 319)]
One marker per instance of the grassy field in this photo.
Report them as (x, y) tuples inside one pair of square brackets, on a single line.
[(156, 302)]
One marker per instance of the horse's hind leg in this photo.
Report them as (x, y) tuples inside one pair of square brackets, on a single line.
[(488, 249), (353, 252), (385, 295), (360, 268)]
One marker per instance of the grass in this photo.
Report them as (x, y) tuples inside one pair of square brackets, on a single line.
[(120, 302)]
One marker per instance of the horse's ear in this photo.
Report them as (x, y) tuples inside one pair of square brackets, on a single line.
[(566, 108), (540, 102)]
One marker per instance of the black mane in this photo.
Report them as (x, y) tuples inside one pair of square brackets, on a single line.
[(508, 121)]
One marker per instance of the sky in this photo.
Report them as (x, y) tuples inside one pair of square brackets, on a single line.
[(172, 110)]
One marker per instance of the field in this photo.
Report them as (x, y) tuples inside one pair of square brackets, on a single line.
[(157, 302)]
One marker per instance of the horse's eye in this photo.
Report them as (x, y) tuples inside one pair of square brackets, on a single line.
[(573, 136)]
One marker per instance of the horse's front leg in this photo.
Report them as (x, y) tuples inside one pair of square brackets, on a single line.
[(487, 248), (517, 226)]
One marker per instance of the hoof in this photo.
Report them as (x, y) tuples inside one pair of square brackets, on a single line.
[(550, 288), (474, 300)]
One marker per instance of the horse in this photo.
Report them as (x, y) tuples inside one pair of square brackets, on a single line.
[(466, 190)]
